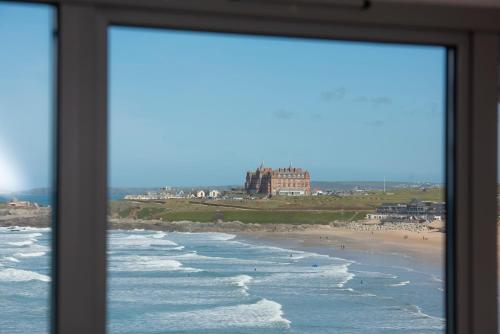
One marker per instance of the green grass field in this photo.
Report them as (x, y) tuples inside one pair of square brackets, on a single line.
[(289, 210)]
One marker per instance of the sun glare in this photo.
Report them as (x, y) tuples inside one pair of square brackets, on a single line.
[(10, 175)]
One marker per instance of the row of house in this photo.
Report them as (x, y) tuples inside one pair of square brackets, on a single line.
[(414, 210), (207, 194), (169, 194)]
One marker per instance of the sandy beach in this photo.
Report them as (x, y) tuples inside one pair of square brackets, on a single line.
[(427, 246)]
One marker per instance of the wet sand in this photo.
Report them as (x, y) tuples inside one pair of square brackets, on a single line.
[(423, 246)]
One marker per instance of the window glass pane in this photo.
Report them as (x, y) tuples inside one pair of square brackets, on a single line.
[(274, 185), (26, 166)]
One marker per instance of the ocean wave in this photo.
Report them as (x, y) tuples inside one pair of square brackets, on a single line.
[(374, 274), (11, 259), (24, 229), (18, 275), (216, 259), (159, 235), (32, 254), (23, 243), (336, 274), (242, 281), (216, 236), (262, 314), (401, 283), (140, 241), (436, 279), (289, 254), (418, 311), (344, 270), (148, 263), (26, 239)]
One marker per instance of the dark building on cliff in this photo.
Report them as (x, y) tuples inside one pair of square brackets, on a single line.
[(289, 181)]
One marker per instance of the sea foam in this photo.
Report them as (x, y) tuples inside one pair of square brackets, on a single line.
[(242, 281), (18, 275), (32, 254), (140, 241), (401, 283), (264, 313), (148, 263), (22, 243), (215, 236)]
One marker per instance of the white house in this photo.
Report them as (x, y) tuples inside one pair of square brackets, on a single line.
[(214, 193), (200, 194), (372, 216)]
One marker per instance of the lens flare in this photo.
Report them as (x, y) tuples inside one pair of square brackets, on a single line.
[(10, 174)]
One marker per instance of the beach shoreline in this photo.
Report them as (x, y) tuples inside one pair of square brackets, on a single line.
[(424, 247), (419, 240)]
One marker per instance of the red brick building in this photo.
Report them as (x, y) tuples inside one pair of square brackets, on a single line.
[(289, 181)]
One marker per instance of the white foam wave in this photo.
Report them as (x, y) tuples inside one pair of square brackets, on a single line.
[(26, 239), (24, 229), (436, 279), (176, 248), (262, 314), (11, 259), (357, 293), (148, 263), (336, 274), (141, 241), (401, 283), (214, 259), (242, 281), (22, 243), (416, 309), (219, 236), (33, 235), (159, 235), (32, 254), (375, 274), (18, 275), (343, 270)]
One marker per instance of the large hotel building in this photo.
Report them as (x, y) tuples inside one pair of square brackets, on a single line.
[(289, 181)]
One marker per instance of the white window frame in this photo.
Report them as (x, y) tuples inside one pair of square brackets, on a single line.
[(471, 35)]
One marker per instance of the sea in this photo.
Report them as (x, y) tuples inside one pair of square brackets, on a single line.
[(222, 283)]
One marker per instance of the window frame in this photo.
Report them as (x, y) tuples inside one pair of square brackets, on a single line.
[(470, 34)]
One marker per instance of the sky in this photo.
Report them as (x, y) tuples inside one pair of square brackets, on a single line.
[(192, 108), (26, 88)]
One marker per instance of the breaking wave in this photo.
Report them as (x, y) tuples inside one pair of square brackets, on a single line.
[(242, 281), (219, 236), (148, 263), (22, 243), (32, 254), (18, 275), (264, 313), (141, 241), (401, 283)]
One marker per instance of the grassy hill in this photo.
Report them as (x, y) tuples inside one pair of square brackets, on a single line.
[(292, 210)]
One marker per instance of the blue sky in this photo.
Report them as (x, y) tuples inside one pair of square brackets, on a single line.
[(201, 108), (26, 114), (192, 108)]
